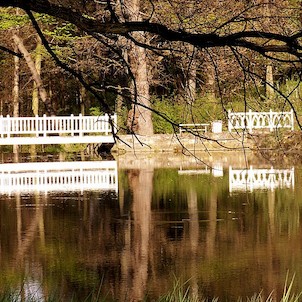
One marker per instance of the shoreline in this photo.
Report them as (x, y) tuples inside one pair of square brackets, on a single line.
[(236, 148), (183, 143), (171, 150)]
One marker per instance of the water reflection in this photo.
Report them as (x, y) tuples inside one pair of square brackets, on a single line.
[(253, 179), (216, 169), (58, 176), (135, 255), (159, 225)]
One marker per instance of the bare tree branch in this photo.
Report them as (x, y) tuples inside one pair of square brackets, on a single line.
[(11, 52)]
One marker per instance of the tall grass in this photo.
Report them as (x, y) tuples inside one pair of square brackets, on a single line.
[(180, 292)]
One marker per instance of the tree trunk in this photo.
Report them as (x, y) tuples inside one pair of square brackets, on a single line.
[(189, 84), (16, 85), (82, 100), (38, 63), (269, 82), (211, 80), (139, 117), (35, 74), (269, 76)]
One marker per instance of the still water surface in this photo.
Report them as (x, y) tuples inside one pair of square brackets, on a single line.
[(159, 225)]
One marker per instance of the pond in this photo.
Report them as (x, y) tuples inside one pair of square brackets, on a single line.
[(229, 229)]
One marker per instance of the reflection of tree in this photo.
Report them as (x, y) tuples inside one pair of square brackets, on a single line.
[(211, 233), (27, 229), (88, 240), (30, 233), (271, 246), (194, 237), (136, 256)]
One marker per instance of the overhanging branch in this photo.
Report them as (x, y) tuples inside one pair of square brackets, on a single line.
[(247, 39)]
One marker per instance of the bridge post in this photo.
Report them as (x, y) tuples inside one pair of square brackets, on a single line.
[(271, 118), (44, 125), (8, 125), (249, 120), (107, 123), (37, 126), (80, 124), (72, 124)]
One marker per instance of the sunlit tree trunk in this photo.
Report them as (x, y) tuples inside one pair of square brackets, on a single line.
[(190, 84), (38, 64), (35, 74), (16, 85), (269, 75), (191, 81), (211, 80), (269, 91), (140, 117)]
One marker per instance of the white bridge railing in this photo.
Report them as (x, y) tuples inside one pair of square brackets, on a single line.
[(260, 120), (58, 176), (250, 179), (49, 125)]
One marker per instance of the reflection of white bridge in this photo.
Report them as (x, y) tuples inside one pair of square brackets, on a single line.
[(58, 176), (250, 179), (56, 129)]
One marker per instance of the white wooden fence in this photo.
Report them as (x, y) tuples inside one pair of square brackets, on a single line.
[(46, 125), (260, 120), (58, 176), (250, 179)]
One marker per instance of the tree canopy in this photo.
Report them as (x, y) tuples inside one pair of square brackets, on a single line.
[(193, 40)]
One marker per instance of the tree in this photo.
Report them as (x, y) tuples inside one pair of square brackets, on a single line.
[(140, 118), (237, 33)]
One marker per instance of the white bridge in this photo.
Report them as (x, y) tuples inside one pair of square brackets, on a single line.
[(260, 120), (250, 179), (57, 129), (58, 176)]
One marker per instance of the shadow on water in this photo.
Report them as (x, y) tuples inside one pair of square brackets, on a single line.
[(168, 218)]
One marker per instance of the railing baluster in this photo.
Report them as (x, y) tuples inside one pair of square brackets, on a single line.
[(8, 125), (80, 125)]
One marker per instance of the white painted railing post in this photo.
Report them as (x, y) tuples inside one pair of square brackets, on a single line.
[(8, 125), (80, 124), (271, 121), (250, 121), (292, 118), (106, 124), (37, 125), (44, 125), (72, 124)]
